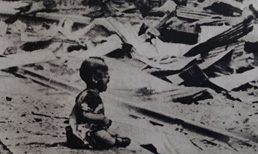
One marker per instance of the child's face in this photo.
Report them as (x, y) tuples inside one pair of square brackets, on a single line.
[(103, 81)]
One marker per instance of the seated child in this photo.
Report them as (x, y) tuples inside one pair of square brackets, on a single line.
[(88, 123)]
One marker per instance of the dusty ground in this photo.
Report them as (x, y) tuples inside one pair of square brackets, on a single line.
[(220, 112), (33, 118)]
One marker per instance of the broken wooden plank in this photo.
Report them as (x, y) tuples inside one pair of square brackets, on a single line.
[(223, 38), (207, 32), (68, 4), (230, 82), (181, 2), (192, 97), (8, 8), (229, 8), (165, 49), (217, 54), (180, 32), (168, 6), (58, 16), (176, 65), (252, 48), (193, 76), (164, 21), (219, 63), (224, 60), (192, 13), (128, 35), (5, 44), (175, 79), (26, 58), (113, 42), (125, 33)]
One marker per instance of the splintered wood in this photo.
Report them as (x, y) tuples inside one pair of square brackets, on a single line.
[(22, 58), (174, 80), (193, 13), (223, 38)]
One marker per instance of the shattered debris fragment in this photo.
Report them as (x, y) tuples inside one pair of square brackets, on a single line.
[(8, 98), (150, 147), (225, 9), (229, 36)]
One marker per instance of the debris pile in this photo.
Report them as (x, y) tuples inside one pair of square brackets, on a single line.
[(204, 49)]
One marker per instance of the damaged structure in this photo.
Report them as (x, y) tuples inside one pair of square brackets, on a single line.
[(183, 73)]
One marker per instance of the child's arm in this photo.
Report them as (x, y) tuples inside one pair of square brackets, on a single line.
[(97, 118)]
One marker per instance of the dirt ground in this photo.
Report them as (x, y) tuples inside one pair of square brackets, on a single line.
[(33, 114), (33, 119)]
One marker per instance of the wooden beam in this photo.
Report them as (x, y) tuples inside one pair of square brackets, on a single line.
[(128, 35), (176, 65), (113, 42), (230, 82), (217, 54), (25, 58), (229, 36), (8, 8)]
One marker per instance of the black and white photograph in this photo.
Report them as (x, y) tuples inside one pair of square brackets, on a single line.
[(128, 76)]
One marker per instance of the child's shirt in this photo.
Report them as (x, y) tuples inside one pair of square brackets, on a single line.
[(87, 101)]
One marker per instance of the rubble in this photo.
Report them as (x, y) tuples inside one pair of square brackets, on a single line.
[(8, 98), (226, 37), (112, 43), (193, 14), (150, 147), (179, 62), (180, 32), (233, 81), (226, 9), (6, 46), (22, 58)]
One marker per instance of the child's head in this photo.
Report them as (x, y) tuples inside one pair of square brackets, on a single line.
[(94, 72)]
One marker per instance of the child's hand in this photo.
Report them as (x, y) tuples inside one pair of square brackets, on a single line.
[(107, 122)]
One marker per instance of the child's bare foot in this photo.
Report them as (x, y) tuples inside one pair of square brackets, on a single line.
[(123, 141)]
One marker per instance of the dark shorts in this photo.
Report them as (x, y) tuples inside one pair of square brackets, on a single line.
[(75, 142)]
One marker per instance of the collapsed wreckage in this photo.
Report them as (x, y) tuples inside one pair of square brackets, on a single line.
[(192, 63)]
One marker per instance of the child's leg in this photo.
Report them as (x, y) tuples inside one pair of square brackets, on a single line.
[(103, 139), (72, 140)]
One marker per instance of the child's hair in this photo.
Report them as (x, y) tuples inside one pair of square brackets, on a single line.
[(92, 66)]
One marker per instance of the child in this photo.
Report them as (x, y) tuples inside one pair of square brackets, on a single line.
[(88, 123)]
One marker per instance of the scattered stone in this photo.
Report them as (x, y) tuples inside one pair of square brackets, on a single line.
[(38, 119), (8, 98), (150, 147), (156, 123)]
